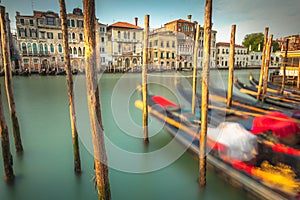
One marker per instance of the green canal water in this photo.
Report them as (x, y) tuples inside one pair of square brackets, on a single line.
[(161, 170)]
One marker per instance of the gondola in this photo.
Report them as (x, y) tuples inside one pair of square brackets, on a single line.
[(256, 174), (270, 98), (289, 93)]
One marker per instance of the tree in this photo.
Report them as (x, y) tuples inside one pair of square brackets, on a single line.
[(254, 41), (275, 46)]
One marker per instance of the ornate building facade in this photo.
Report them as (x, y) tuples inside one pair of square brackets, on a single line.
[(40, 40), (124, 46)]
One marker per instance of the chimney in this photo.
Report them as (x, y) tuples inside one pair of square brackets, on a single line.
[(189, 18), (18, 13), (136, 21)]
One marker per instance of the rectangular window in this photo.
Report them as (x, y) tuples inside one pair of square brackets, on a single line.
[(59, 35), (155, 43), (22, 21), (173, 44), (173, 55), (53, 59), (31, 22), (49, 35), (168, 45), (35, 60), (62, 59), (155, 54), (168, 55), (26, 60), (41, 21), (162, 55), (102, 39), (161, 44), (68, 23), (72, 23), (42, 35), (80, 23), (150, 44), (50, 21)]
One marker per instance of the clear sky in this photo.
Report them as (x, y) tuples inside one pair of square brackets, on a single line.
[(250, 16)]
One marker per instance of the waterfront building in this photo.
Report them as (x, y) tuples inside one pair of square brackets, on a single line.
[(223, 50), (172, 45), (124, 46), (162, 50), (103, 42), (40, 40), (255, 59)]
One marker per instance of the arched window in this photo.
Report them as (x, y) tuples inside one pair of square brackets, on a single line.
[(70, 50), (41, 48), (59, 48), (51, 48), (73, 36), (46, 48), (79, 51), (24, 48), (69, 36), (74, 51), (29, 48), (80, 37), (34, 48)]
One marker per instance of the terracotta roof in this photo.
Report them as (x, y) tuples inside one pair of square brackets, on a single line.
[(179, 20), (226, 44), (124, 25)]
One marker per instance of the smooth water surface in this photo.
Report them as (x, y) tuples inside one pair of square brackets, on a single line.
[(45, 171)]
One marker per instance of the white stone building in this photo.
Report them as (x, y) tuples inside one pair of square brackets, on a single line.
[(223, 50)]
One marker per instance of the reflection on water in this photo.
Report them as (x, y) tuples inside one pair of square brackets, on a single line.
[(46, 169)]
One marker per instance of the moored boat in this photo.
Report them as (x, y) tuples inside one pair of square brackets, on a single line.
[(258, 175)]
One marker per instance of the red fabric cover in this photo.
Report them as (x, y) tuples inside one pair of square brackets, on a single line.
[(284, 149), (242, 166), (162, 101), (280, 128)]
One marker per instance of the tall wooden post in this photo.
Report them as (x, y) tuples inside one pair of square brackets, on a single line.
[(63, 18), (266, 71), (8, 82), (100, 158), (144, 79), (98, 57), (262, 69), (6, 154), (205, 92), (231, 66), (298, 78), (284, 66), (195, 59)]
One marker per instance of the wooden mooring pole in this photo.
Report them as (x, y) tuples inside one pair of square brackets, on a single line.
[(262, 69), (100, 158), (8, 82), (205, 92), (6, 153), (231, 66), (195, 59), (144, 79), (298, 78), (63, 18), (285, 60), (267, 64)]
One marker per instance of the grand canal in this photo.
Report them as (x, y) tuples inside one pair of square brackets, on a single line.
[(45, 171)]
